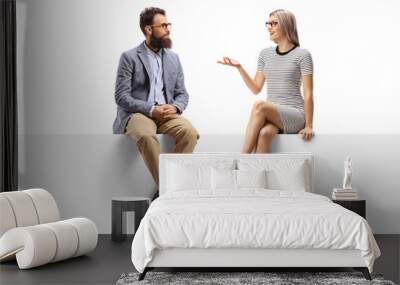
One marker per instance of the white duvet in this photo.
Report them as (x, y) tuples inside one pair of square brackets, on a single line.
[(250, 219)]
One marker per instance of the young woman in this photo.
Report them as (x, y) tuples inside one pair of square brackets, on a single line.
[(285, 68)]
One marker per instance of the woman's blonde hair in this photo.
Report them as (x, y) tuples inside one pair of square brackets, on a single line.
[(287, 21)]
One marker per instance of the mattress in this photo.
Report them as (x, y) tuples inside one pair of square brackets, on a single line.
[(252, 219)]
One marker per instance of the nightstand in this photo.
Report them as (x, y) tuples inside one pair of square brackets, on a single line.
[(119, 205), (357, 206)]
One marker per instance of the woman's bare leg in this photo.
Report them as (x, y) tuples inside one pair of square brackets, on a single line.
[(261, 113), (265, 138)]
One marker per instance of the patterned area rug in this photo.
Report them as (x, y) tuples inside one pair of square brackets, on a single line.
[(270, 278)]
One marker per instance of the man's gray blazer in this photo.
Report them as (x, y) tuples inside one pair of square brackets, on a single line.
[(133, 84)]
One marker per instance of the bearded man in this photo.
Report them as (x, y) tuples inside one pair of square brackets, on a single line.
[(150, 93)]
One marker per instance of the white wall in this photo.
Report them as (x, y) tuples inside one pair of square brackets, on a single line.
[(68, 53)]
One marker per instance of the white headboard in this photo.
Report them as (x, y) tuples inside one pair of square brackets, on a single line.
[(210, 157)]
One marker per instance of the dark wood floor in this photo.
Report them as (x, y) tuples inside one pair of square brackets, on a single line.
[(110, 260)]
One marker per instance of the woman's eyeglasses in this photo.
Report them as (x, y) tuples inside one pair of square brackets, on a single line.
[(271, 24)]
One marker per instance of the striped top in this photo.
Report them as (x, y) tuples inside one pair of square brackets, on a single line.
[(283, 74)]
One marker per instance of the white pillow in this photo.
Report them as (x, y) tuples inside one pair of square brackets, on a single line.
[(282, 174), (223, 179), (181, 177), (185, 174), (227, 179), (292, 178), (251, 178)]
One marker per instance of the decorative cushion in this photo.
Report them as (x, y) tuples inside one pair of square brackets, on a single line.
[(7, 220), (67, 237), (251, 178), (23, 208), (281, 174), (87, 232), (223, 179), (45, 205), (288, 178), (187, 175), (226, 179)]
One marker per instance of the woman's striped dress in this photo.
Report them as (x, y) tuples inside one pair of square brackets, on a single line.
[(283, 73)]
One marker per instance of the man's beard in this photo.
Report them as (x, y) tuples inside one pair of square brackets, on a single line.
[(159, 43)]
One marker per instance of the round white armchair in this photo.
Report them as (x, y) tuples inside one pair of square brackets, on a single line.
[(32, 233)]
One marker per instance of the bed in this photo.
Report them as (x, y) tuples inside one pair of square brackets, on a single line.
[(257, 210)]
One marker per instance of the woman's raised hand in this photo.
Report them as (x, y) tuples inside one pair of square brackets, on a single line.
[(255, 85), (229, 61)]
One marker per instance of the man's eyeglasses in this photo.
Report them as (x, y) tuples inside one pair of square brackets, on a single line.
[(165, 26), (271, 24)]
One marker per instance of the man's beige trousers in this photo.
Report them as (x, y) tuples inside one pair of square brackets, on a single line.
[(143, 130)]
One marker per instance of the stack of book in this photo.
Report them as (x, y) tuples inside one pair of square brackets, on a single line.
[(344, 194)]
